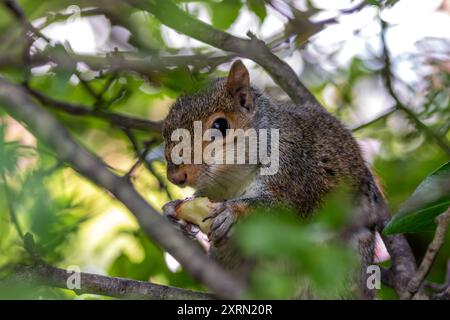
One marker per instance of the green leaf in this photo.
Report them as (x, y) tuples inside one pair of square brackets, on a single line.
[(258, 7), (431, 198), (374, 2), (224, 13), (146, 31)]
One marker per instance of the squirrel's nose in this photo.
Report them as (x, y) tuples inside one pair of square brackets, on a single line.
[(177, 176)]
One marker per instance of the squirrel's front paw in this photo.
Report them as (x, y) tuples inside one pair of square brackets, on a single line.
[(190, 230), (223, 219)]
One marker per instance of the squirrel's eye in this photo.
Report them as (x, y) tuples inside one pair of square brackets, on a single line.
[(221, 124)]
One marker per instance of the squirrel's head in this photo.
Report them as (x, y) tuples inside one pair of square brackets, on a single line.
[(227, 103)]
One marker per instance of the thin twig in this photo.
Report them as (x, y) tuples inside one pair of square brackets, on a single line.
[(81, 110), (387, 76), (87, 86), (100, 101), (443, 222), (142, 156), (133, 168), (384, 115)]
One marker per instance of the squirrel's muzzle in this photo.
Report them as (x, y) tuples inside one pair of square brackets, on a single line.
[(177, 175)]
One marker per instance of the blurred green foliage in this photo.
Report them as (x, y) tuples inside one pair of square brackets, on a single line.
[(303, 259)]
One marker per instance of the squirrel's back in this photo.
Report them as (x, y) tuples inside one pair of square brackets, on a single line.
[(316, 152)]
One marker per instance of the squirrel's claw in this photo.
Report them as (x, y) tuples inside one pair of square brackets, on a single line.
[(169, 208), (223, 220), (190, 230)]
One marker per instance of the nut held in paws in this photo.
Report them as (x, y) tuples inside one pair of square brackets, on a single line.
[(195, 210)]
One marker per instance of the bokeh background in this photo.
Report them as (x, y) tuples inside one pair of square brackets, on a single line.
[(350, 54)]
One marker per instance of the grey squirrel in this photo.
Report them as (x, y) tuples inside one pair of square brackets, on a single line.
[(316, 154)]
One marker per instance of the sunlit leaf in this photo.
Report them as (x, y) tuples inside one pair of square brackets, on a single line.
[(431, 198), (224, 13), (258, 7)]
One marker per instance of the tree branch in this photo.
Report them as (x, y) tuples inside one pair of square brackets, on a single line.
[(17, 12), (443, 222), (41, 123), (172, 16), (403, 262), (47, 275), (149, 67), (387, 277)]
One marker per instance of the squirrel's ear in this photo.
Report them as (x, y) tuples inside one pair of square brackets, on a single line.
[(238, 85)]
